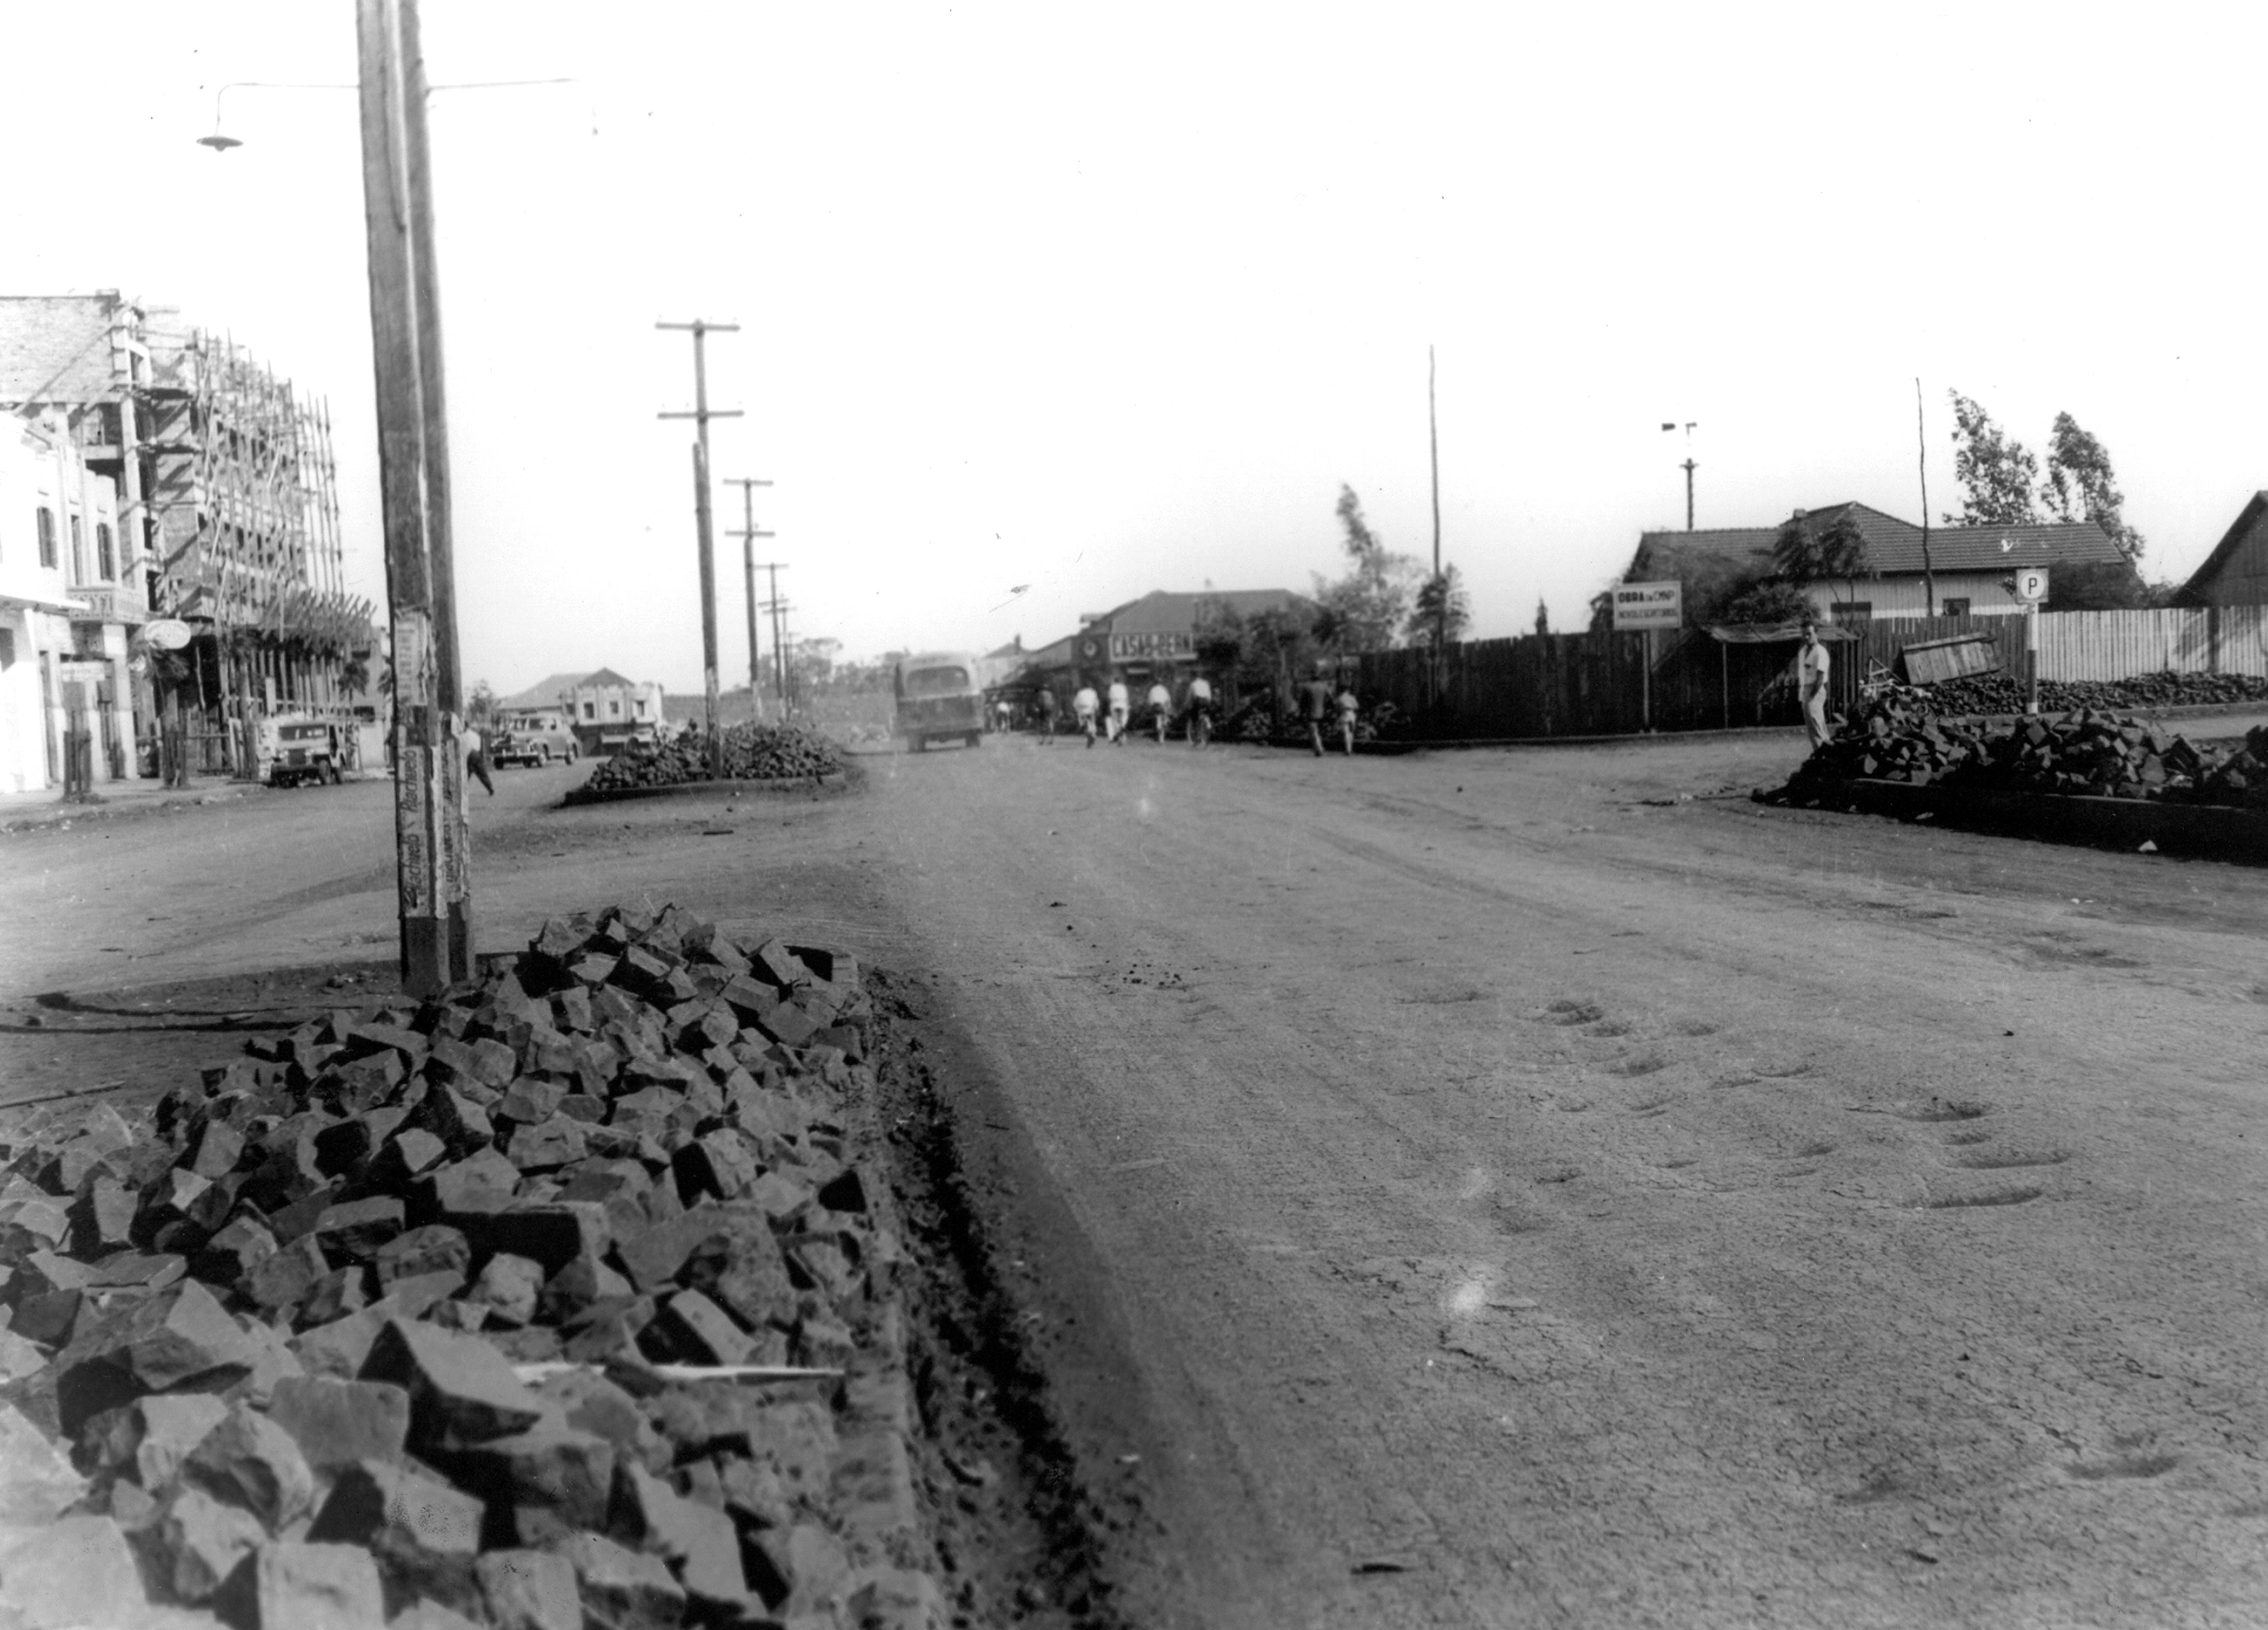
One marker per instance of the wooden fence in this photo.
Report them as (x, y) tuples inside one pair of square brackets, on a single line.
[(1598, 684)]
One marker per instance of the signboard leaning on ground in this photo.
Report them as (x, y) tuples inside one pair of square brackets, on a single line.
[(1641, 605)]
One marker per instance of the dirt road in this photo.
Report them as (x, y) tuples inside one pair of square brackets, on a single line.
[(1503, 1188)]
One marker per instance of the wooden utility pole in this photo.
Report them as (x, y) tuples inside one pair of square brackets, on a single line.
[(1440, 588), (1921, 442), (747, 535), (701, 415), (778, 607), (431, 848)]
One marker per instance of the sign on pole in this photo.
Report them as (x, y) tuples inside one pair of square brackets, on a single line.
[(1644, 605), (2031, 584)]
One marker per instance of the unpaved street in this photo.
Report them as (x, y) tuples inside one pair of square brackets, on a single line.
[(1496, 1188)]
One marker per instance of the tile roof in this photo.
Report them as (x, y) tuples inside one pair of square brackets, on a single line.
[(545, 693), (1164, 611), (2194, 587), (1894, 546)]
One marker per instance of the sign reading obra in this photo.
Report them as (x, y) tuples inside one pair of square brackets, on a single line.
[(1649, 605)]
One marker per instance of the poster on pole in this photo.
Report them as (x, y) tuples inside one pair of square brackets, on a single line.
[(1646, 606)]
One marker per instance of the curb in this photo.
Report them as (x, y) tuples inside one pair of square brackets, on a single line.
[(831, 779), (59, 813), (2213, 830)]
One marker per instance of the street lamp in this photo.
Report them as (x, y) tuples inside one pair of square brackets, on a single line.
[(220, 141)]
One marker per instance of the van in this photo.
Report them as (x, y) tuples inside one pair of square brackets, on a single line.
[(939, 698)]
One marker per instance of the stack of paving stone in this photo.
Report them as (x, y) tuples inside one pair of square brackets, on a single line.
[(563, 1301), (750, 753), (2242, 778), (2004, 692), (2089, 753)]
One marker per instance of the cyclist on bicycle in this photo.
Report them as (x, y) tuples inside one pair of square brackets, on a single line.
[(1200, 710), (1161, 703)]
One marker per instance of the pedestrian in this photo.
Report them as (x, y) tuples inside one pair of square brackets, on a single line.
[(1083, 706), (1046, 706), (1316, 696), (1348, 708), (1118, 710), (1200, 710), (1812, 664), (476, 758), (1161, 703)]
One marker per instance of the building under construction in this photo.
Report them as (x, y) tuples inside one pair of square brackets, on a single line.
[(228, 490)]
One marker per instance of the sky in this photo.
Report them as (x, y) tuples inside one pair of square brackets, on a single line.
[(1042, 307)]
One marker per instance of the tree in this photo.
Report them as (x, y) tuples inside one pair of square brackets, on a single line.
[(1832, 554), (2080, 487), (1774, 600), (1997, 473), (1443, 610), (1365, 610), (1543, 617), (2103, 585)]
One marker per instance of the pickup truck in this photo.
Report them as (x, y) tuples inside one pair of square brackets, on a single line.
[(534, 739), (939, 698), (295, 750)]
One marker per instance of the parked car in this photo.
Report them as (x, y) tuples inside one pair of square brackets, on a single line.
[(939, 698), (534, 738), (295, 749)]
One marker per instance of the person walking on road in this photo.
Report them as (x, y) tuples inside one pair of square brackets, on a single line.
[(1083, 706), (476, 758), (1812, 664), (1200, 710), (1348, 705), (1047, 709), (1315, 697), (1118, 709)]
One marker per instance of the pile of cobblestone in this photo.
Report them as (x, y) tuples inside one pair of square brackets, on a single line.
[(566, 1300)]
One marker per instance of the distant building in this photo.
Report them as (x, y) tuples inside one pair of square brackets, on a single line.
[(2236, 572), (1149, 639), (62, 666), (1969, 566), (226, 502)]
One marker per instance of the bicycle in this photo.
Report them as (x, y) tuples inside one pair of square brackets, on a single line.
[(1200, 726)]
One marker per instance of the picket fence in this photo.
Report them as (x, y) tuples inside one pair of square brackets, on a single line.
[(1598, 684)]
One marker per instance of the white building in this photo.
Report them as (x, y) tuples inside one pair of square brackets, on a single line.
[(64, 652)]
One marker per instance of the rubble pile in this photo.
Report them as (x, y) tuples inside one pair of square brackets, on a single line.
[(562, 1301), (2002, 692), (752, 752), (2088, 752), (2242, 778)]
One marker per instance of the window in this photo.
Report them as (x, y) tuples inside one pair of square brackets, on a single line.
[(1851, 610), (106, 552), (614, 707), (590, 709), (47, 536), (1957, 608), (640, 705), (78, 552)]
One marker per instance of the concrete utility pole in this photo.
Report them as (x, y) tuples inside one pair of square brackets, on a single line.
[(431, 848), (747, 535), (1689, 466), (701, 415)]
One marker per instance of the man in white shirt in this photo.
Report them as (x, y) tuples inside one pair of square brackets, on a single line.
[(1083, 706), (1811, 666), (1200, 710), (1161, 703), (1118, 709)]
